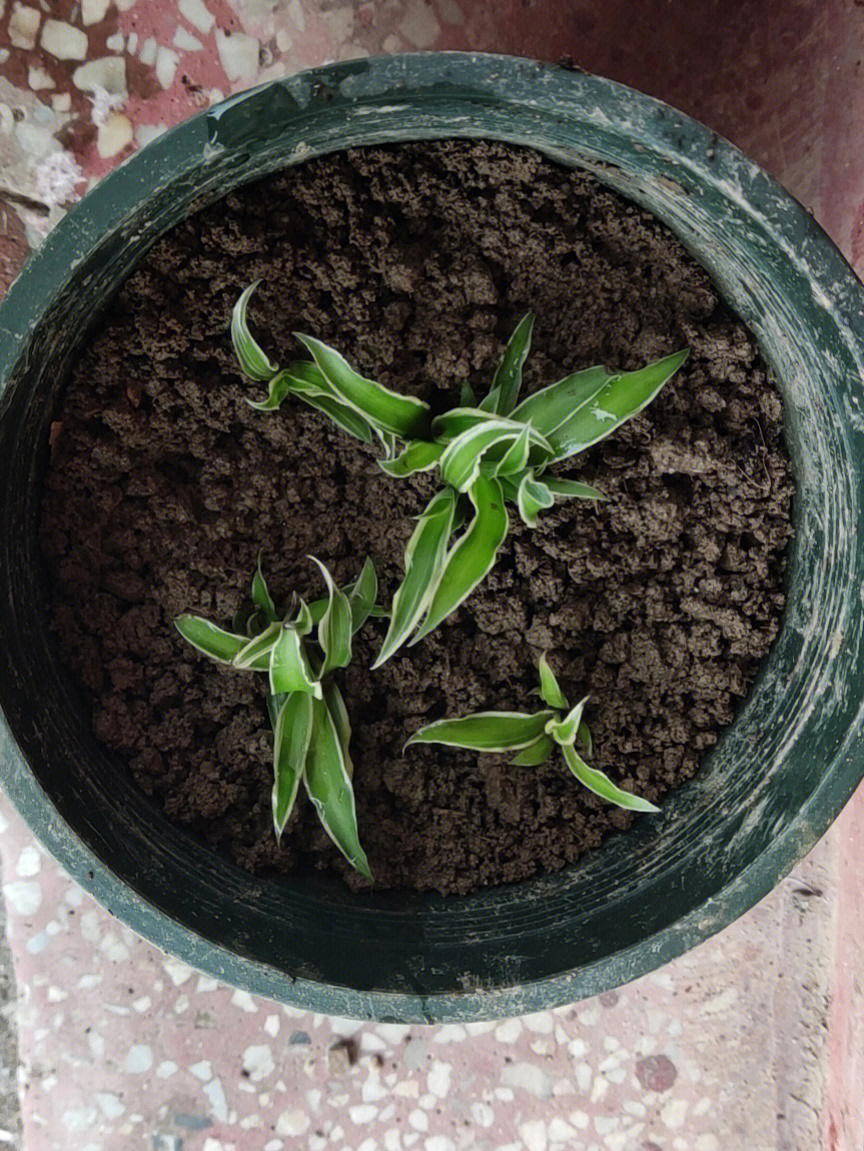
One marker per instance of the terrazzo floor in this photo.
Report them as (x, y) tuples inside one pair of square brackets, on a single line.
[(750, 1043)]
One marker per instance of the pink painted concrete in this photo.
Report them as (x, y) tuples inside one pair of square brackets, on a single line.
[(752, 1042)]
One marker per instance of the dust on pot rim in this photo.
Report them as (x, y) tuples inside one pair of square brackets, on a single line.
[(781, 772)]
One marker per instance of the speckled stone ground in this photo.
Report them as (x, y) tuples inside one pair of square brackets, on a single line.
[(750, 1043)]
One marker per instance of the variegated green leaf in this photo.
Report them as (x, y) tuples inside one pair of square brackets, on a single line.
[(508, 378), (467, 397), (485, 731), (339, 713), (213, 641), (424, 558), (290, 670), (253, 360), (403, 416), (586, 738), (460, 463), (261, 595), (303, 621), (419, 456), (362, 596), (449, 425), (572, 489), (535, 753), (329, 787), (291, 734), (255, 655), (616, 402), (472, 556), (550, 691), (343, 416), (600, 783), (532, 497), (335, 628), (280, 387), (547, 409), (515, 459), (564, 731)]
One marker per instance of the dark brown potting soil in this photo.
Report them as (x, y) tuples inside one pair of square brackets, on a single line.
[(416, 262)]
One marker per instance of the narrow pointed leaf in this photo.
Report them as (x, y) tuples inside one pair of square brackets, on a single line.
[(339, 712), (586, 738), (449, 425), (363, 595), (255, 655), (343, 416), (460, 463), (280, 387), (213, 641), (334, 630), (290, 670), (467, 397), (515, 459), (564, 731), (472, 556), (303, 621), (572, 489), (291, 734), (261, 594), (550, 691), (329, 787), (490, 401), (424, 559), (600, 783), (419, 456), (253, 360), (486, 731), (535, 753), (547, 409), (533, 496), (404, 416), (508, 378), (620, 399)]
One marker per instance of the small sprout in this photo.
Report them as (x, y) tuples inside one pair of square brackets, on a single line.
[(486, 453), (311, 731), (535, 736)]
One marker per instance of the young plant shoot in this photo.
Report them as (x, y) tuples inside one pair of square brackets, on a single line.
[(486, 453), (299, 650), (534, 736)]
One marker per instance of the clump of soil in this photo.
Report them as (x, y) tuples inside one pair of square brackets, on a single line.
[(416, 261)]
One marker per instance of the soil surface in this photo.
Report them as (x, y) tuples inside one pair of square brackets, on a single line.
[(416, 262)]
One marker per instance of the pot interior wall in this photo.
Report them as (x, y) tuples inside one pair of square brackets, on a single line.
[(778, 776)]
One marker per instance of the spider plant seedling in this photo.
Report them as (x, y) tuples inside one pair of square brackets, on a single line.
[(534, 736), (486, 453), (299, 650)]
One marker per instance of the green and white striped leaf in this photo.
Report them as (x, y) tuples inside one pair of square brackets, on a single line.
[(535, 753), (460, 463), (339, 713), (335, 628), (280, 387), (600, 783), (290, 670), (623, 397), (449, 425), (261, 595), (343, 416), (419, 456), (515, 459), (213, 641), (473, 556), (362, 595), (494, 731), (572, 489), (547, 409), (550, 691), (564, 731), (291, 734), (255, 655), (328, 785), (253, 360), (586, 738), (532, 498), (404, 416), (508, 378), (424, 560)]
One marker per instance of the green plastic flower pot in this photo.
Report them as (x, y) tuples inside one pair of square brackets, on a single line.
[(783, 769)]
